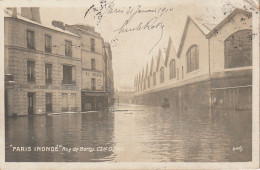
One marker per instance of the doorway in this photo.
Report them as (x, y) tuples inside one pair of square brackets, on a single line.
[(31, 103)]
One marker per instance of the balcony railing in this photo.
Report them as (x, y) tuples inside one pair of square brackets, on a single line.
[(48, 81), (68, 82), (31, 79)]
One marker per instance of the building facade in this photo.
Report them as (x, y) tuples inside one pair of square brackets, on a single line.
[(109, 75), (49, 68), (211, 69)]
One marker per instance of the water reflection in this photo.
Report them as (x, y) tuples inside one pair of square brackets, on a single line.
[(135, 133)]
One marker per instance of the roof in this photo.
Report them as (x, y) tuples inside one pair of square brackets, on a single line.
[(8, 14), (170, 46), (158, 59), (227, 19), (207, 29), (151, 66)]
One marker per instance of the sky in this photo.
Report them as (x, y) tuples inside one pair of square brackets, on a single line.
[(156, 22)]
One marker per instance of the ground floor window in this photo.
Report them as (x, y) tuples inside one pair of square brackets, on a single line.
[(73, 102), (48, 102), (31, 103), (65, 102)]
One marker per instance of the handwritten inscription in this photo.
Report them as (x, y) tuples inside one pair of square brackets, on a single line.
[(151, 23)]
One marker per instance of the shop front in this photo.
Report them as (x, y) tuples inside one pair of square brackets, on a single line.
[(93, 101)]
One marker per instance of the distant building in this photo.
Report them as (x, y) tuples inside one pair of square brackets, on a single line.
[(55, 68), (124, 94), (212, 67)]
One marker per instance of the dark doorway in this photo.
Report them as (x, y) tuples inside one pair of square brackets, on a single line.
[(48, 102), (6, 103), (31, 103)]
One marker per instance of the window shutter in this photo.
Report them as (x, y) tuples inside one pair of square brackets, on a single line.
[(74, 73)]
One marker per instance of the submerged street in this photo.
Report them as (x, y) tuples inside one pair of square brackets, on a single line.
[(131, 133)]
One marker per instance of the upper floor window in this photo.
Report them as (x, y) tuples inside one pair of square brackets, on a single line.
[(182, 72), (93, 64), (68, 48), (30, 39), (172, 69), (148, 81), (238, 49), (48, 73), (92, 43), (48, 43), (69, 74), (161, 75), (154, 78), (93, 83), (31, 71), (192, 58), (178, 74)]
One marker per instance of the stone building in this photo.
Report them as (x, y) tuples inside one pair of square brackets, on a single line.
[(211, 69), (54, 68), (109, 74), (93, 91)]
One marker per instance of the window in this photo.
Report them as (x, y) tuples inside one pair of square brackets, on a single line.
[(93, 84), (177, 73), (48, 43), (65, 102), (161, 75), (192, 58), (30, 71), (48, 73), (68, 48), (172, 69), (73, 102), (238, 49), (144, 84), (93, 64), (92, 43), (48, 102), (30, 39), (68, 74), (154, 78), (148, 81), (182, 72)]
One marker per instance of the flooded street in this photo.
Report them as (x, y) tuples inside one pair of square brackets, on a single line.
[(130, 133)]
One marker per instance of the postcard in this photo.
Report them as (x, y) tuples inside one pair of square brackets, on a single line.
[(113, 84)]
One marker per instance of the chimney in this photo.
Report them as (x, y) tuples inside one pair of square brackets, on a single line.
[(58, 24), (32, 13), (14, 13)]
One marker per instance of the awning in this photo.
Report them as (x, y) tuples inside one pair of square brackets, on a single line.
[(87, 93)]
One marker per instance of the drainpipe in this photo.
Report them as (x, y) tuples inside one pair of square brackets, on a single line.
[(210, 91)]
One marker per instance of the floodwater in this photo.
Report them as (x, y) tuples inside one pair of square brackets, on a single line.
[(130, 133)]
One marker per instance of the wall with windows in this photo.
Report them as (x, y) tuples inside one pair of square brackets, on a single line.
[(40, 70), (194, 39), (87, 58), (17, 36), (87, 78), (240, 21)]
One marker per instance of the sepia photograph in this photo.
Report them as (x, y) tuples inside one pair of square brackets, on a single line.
[(116, 81)]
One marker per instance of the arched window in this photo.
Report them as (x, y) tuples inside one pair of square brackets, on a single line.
[(192, 58), (238, 49), (172, 69), (148, 81), (161, 75), (154, 78)]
